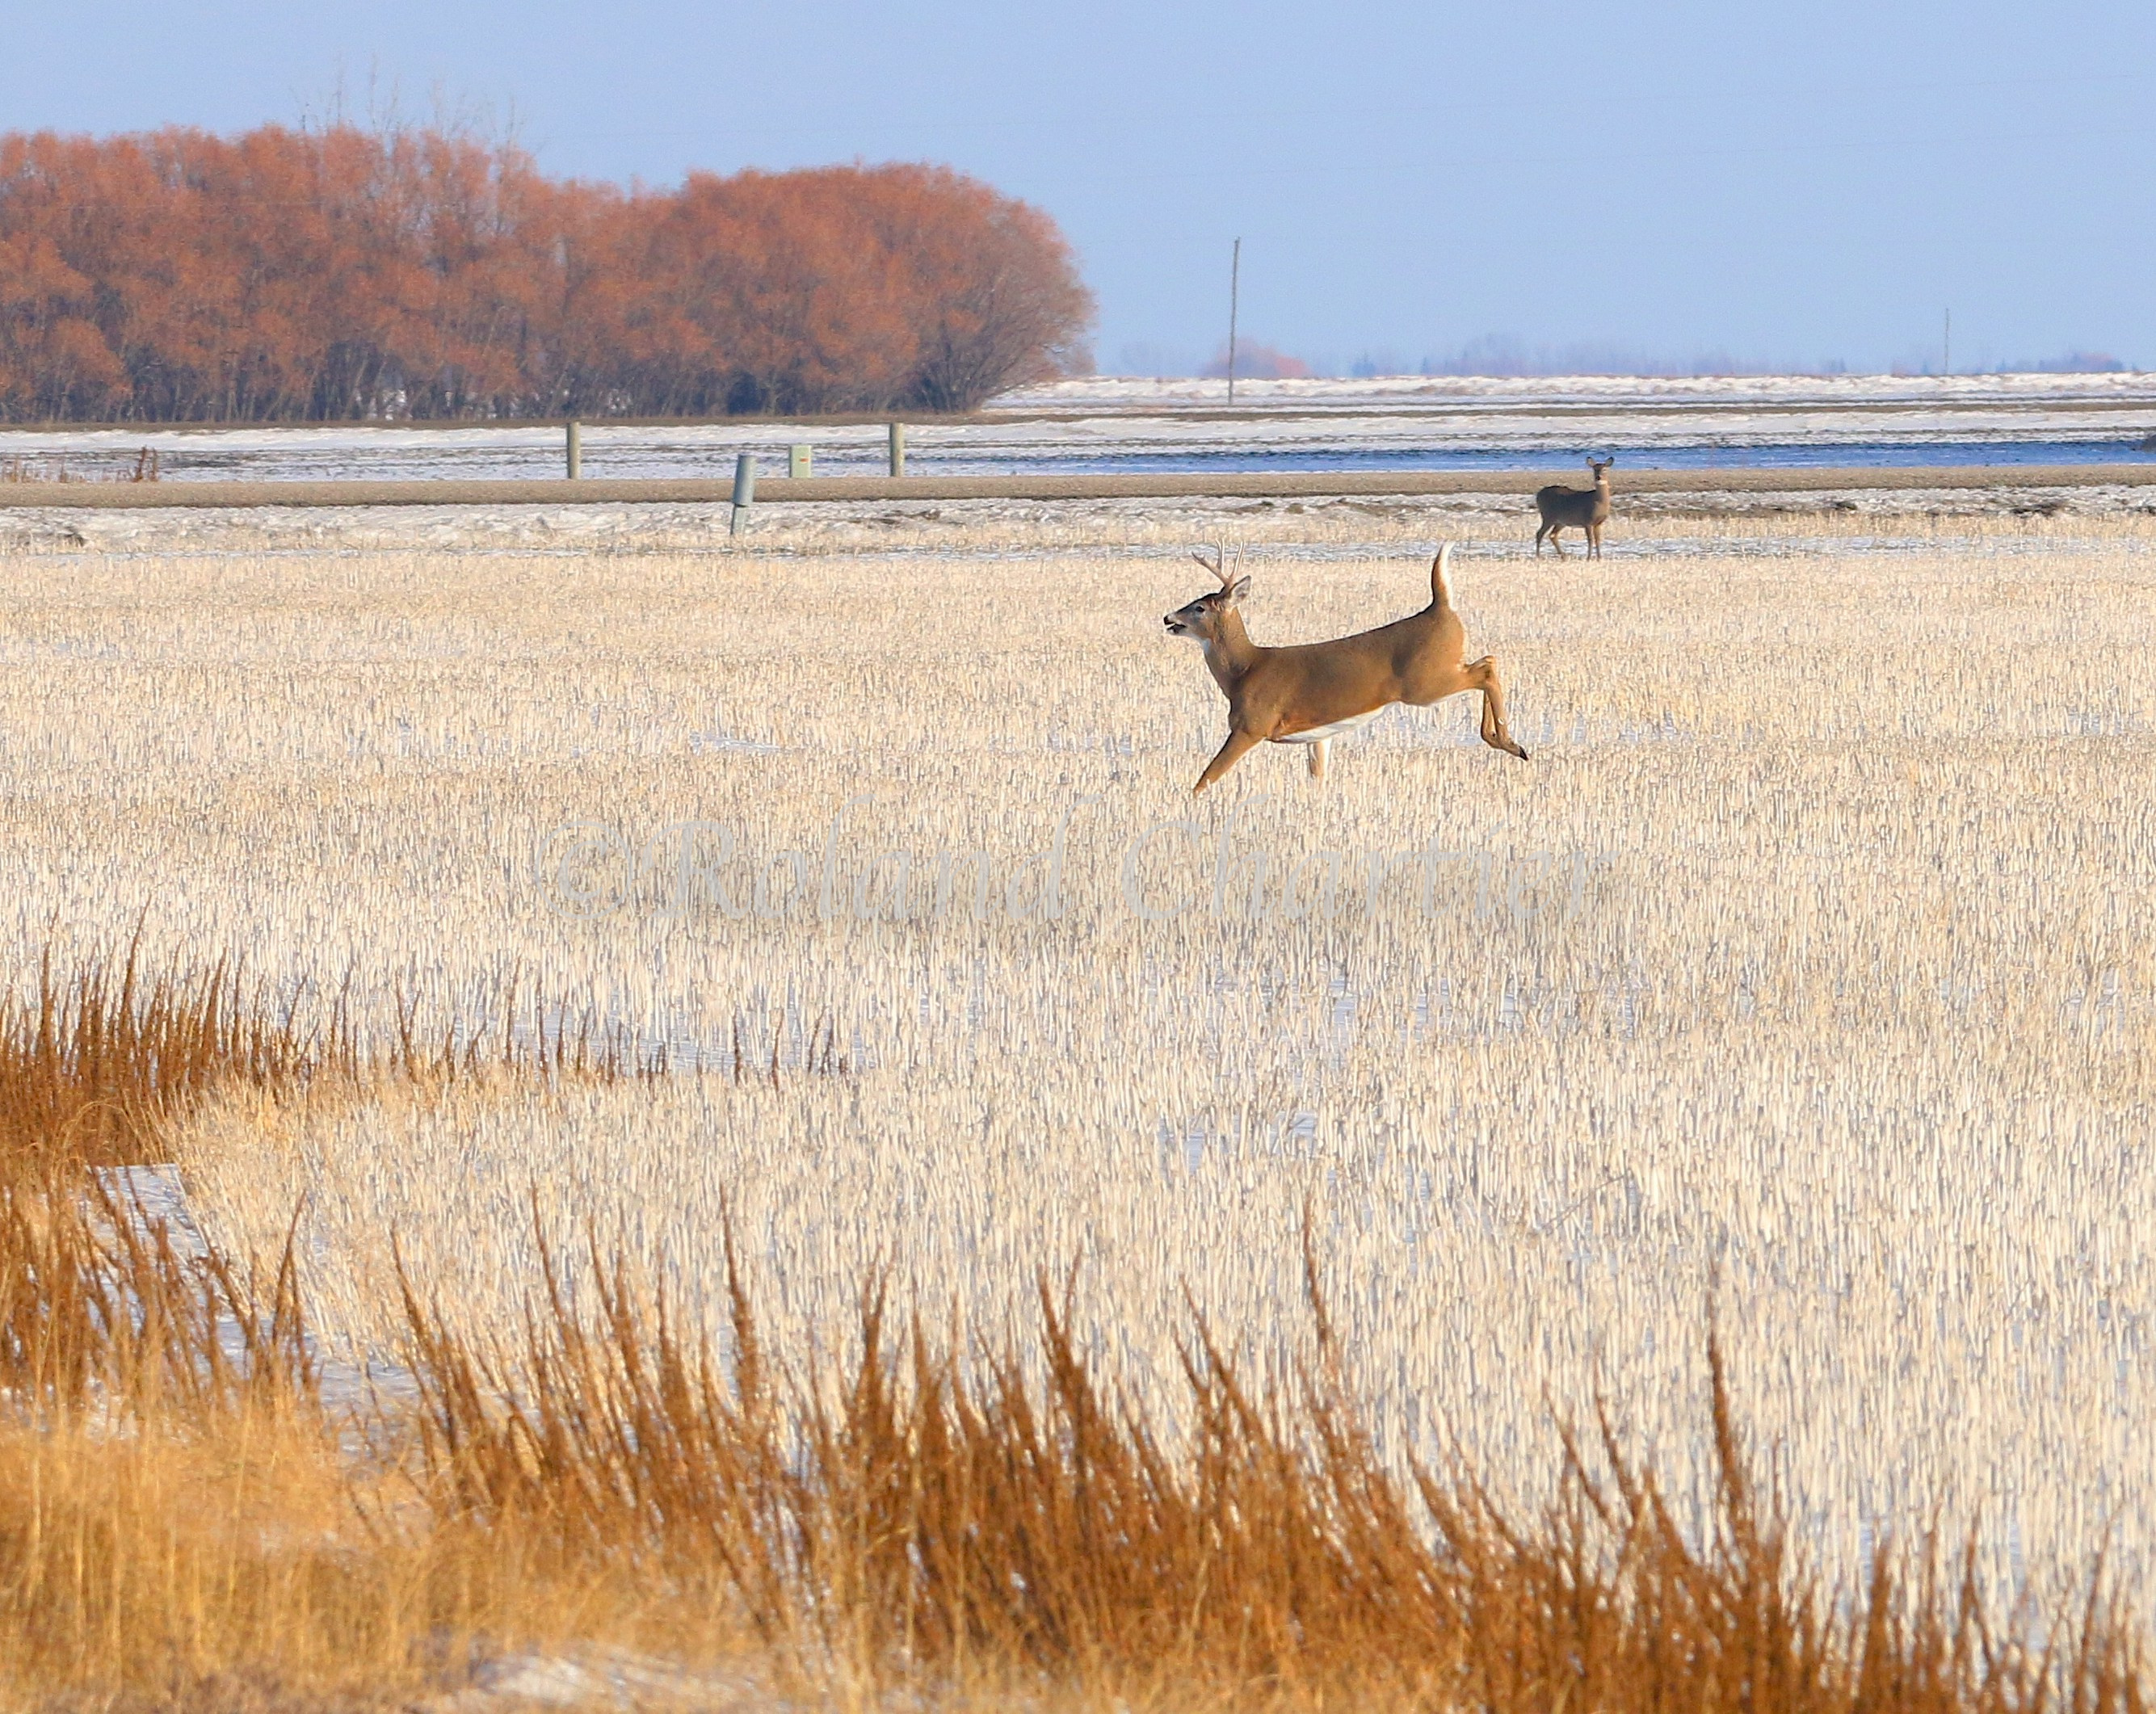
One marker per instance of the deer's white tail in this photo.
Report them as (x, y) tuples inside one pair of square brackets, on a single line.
[(1440, 592)]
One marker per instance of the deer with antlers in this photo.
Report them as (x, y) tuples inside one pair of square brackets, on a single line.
[(1310, 693), (1586, 509)]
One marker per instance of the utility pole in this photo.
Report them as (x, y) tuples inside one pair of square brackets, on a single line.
[(1946, 363), (1235, 296)]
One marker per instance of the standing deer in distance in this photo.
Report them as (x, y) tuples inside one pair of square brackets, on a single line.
[(1585, 508), (1309, 693)]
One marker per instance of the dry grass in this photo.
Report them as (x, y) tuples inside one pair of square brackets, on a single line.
[(181, 1522), (1855, 1001), (162, 1499), (998, 1539), (1854, 1009), (178, 1527)]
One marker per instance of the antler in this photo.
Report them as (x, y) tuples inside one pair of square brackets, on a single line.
[(1219, 568)]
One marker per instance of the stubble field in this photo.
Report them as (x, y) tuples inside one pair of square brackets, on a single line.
[(1801, 980)]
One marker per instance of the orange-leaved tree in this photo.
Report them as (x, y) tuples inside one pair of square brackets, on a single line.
[(340, 273)]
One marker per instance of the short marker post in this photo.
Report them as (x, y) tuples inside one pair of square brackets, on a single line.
[(574, 448), (744, 492), (898, 449), (799, 461)]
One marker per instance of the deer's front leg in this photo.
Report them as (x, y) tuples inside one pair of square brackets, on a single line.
[(1229, 754)]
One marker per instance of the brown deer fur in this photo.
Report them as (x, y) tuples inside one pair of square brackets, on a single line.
[(1586, 509), (1306, 692)]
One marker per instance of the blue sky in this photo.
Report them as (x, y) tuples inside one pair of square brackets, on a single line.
[(1779, 185)]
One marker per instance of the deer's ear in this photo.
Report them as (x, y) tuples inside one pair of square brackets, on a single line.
[(1239, 589)]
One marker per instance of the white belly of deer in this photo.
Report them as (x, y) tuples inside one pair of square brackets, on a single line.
[(1316, 734)]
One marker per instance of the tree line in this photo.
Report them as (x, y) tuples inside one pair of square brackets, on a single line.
[(340, 273)]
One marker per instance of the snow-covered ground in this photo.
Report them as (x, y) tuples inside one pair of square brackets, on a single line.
[(1760, 391), (1103, 424)]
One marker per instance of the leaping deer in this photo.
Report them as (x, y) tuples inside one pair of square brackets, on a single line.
[(1585, 508), (1308, 693)]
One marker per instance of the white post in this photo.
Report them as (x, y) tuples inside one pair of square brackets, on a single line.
[(898, 449), (575, 448), (798, 461), (744, 493)]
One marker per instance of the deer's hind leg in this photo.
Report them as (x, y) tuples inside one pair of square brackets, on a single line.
[(1434, 683), (1482, 676), (1539, 534)]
